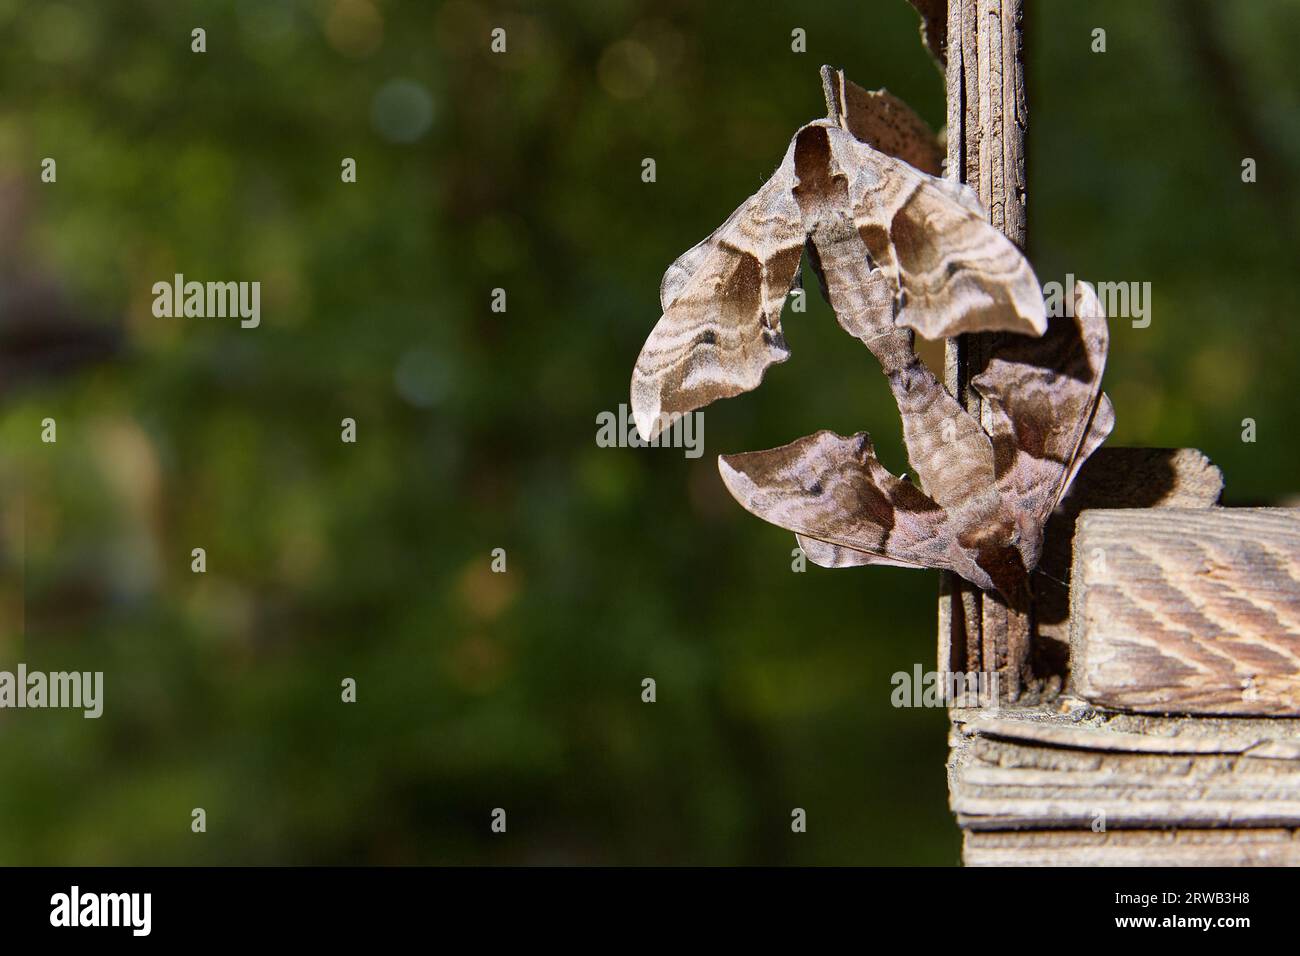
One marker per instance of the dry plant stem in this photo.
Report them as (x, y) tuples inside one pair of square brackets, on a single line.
[(986, 150)]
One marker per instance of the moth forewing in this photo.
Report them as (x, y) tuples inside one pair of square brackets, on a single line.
[(955, 272), (722, 300)]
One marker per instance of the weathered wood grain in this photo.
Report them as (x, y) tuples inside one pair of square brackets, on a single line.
[(1236, 847), (1188, 610), (1049, 732), (987, 113), (1113, 477), (1084, 771), (1116, 477)]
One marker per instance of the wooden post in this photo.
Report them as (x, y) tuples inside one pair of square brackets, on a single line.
[(986, 150), (1048, 779)]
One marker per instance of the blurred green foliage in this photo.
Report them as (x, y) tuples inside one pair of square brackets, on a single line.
[(476, 430)]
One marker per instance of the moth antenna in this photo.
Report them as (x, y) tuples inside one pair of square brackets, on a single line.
[(1064, 586)]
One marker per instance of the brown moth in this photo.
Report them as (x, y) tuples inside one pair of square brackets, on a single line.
[(948, 270), (897, 251)]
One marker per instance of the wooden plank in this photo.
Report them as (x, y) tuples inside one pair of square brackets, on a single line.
[(1229, 847), (1188, 610), (1033, 770), (1116, 477), (1052, 733), (1113, 477)]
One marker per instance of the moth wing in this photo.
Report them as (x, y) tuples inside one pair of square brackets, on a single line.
[(688, 263), (834, 490), (722, 301), (1103, 420), (1047, 411), (685, 266), (882, 121), (827, 555), (954, 272), (949, 451)]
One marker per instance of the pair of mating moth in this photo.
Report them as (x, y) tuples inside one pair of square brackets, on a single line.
[(897, 251)]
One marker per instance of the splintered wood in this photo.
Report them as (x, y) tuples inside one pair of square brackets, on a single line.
[(1192, 611)]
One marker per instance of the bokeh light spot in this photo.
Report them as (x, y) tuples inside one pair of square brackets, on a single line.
[(402, 111)]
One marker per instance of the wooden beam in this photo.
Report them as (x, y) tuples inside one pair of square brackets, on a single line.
[(1193, 611)]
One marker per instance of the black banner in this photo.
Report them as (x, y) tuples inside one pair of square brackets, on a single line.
[(333, 905)]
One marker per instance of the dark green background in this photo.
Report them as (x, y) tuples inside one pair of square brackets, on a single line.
[(477, 430)]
